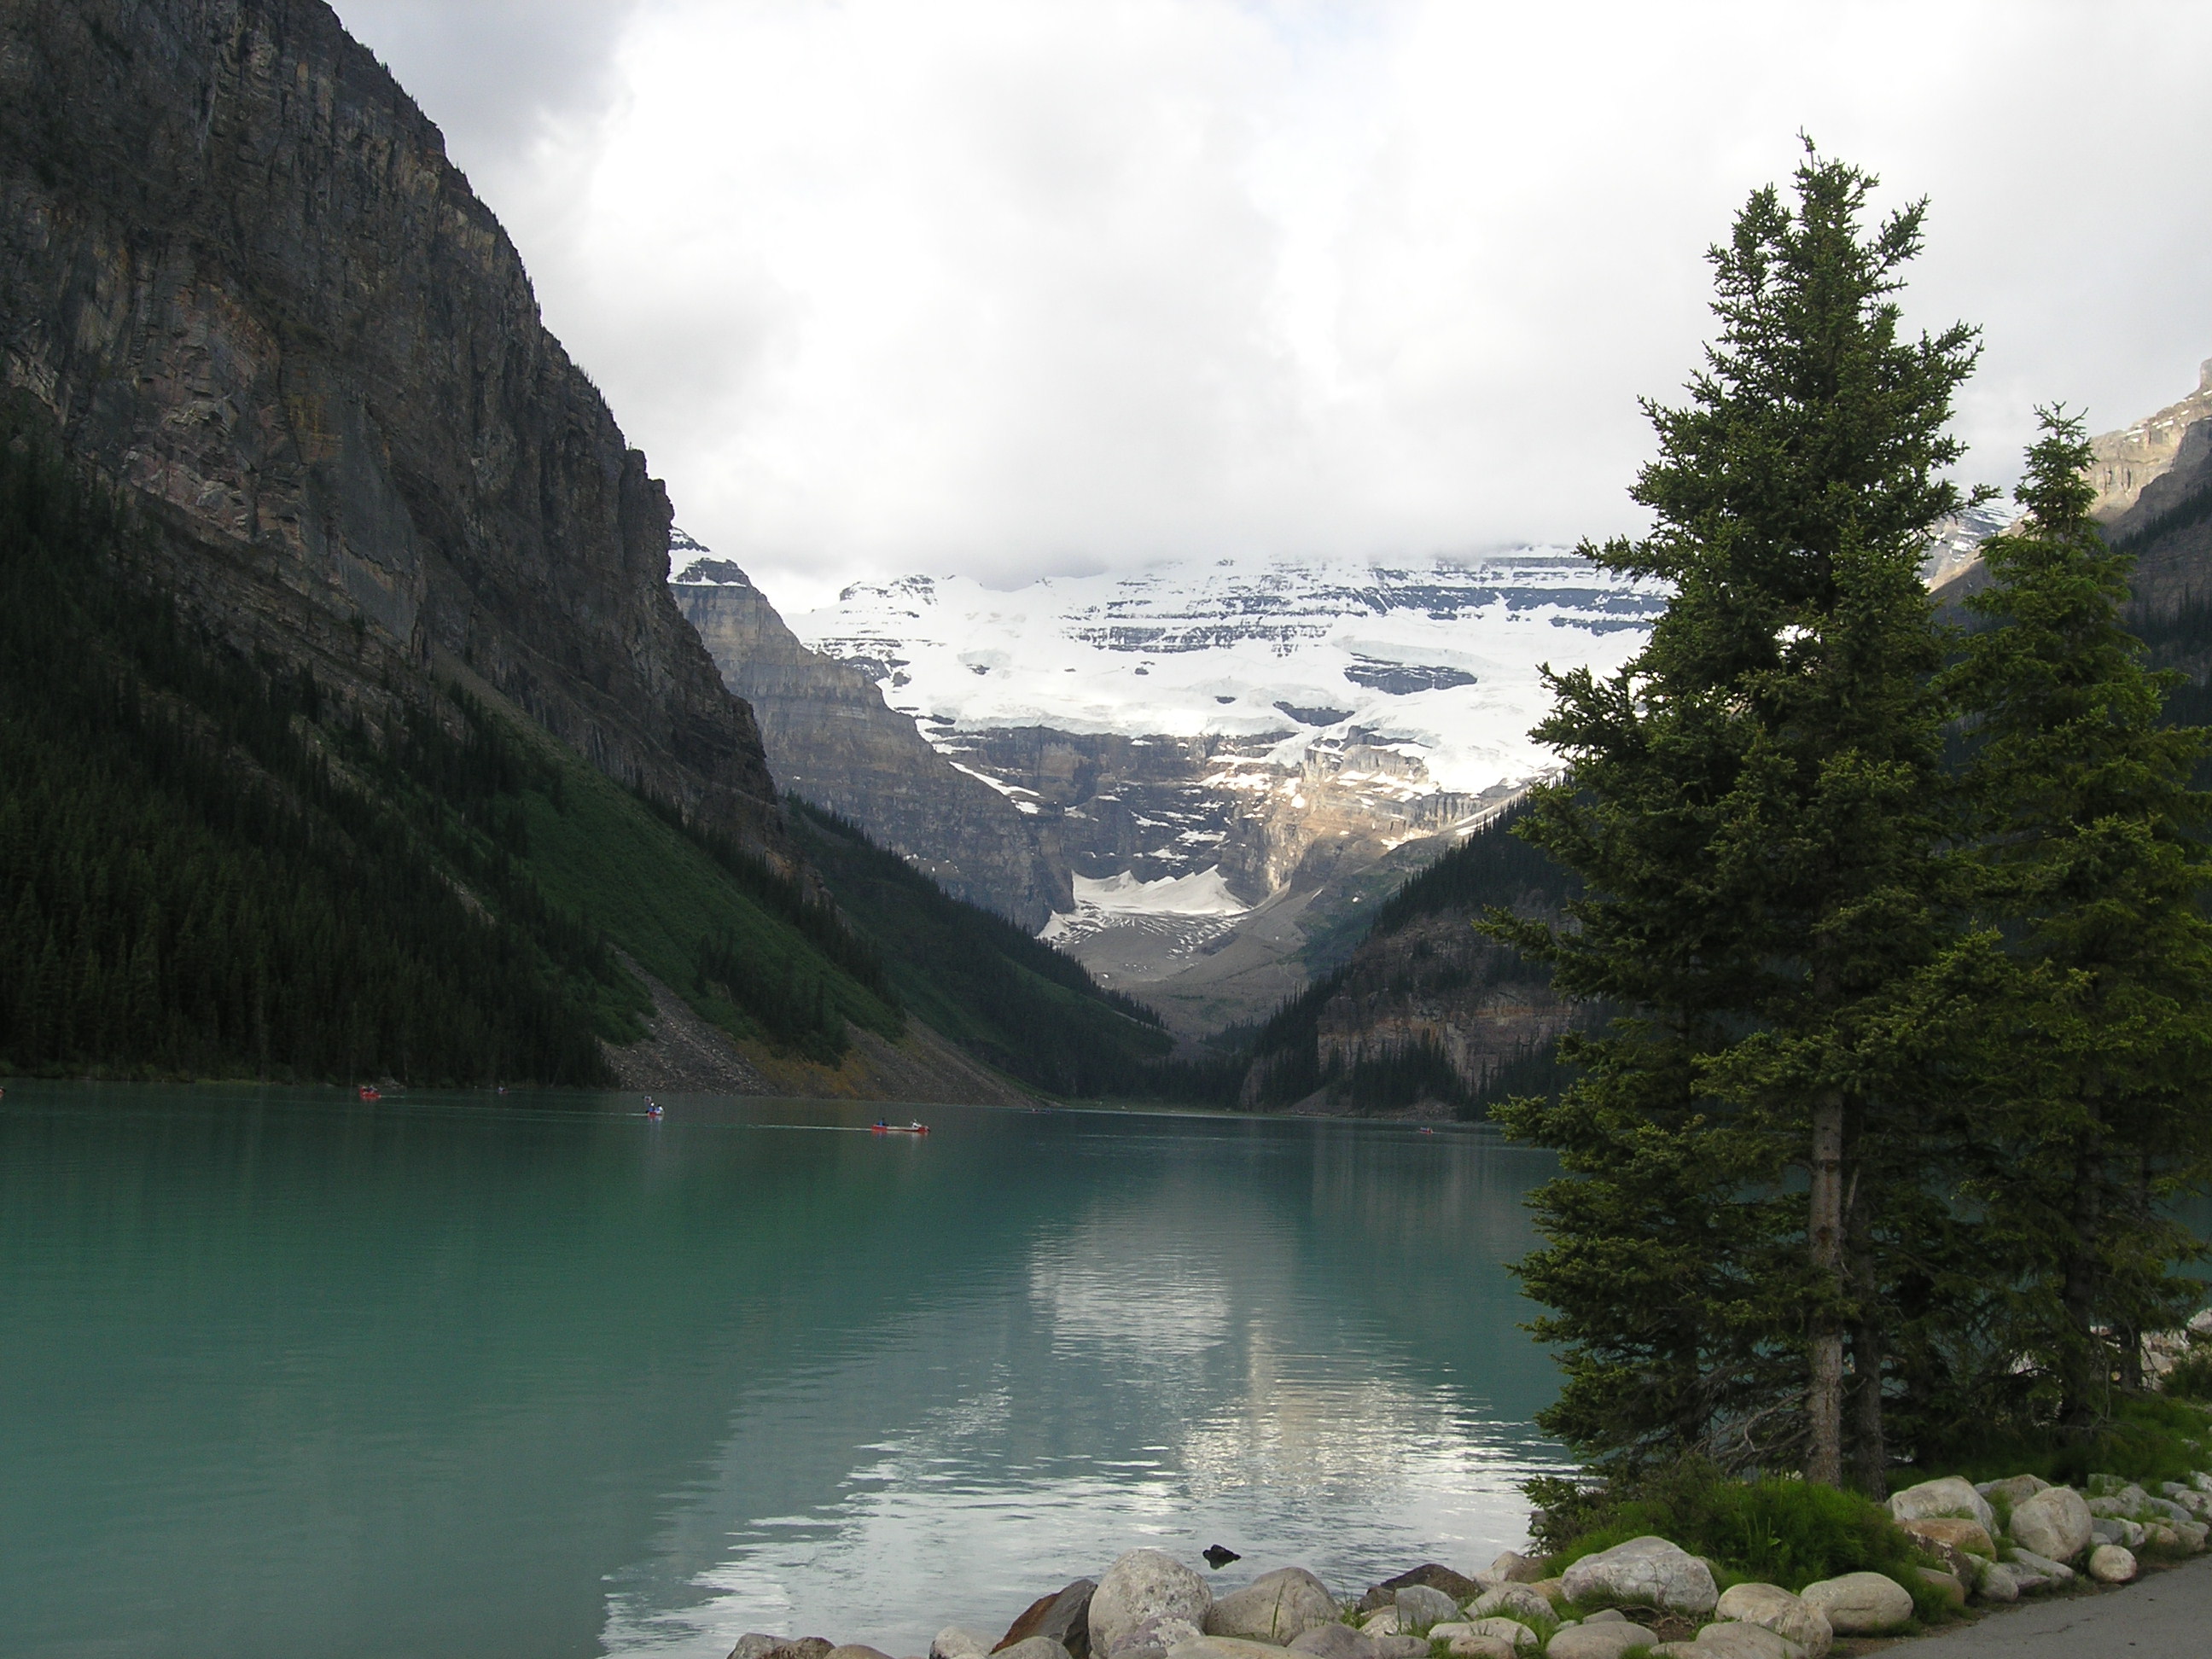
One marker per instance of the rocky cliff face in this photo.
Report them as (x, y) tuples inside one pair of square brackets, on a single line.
[(831, 737), (2129, 460), (237, 270), (2169, 530), (1437, 981)]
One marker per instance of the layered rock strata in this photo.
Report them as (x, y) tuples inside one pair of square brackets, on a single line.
[(831, 737), (240, 273)]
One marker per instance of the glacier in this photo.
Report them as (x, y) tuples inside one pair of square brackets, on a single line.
[(1430, 667)]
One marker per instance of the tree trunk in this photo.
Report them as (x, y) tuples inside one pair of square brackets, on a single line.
[(1869, 1445), (2089, 1377), (1824, 1232), (2130, 1333)]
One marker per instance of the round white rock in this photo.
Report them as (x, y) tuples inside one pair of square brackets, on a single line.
[(1861, 1603)]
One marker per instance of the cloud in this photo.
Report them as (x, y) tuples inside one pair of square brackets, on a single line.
[(1012, 287), (496, 74)]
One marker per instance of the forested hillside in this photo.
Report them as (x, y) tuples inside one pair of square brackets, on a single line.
[(1425, 1010), (195, 887), (215, 869), (1015, 1004)]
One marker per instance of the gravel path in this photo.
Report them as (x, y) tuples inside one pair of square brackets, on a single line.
[(2166, 1616)]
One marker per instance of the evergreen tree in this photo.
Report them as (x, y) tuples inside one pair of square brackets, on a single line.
[(1753, 807), (2097, 1044)]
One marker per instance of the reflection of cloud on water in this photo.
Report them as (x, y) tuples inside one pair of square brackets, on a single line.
[(1111, 1283), (1172, 1366)]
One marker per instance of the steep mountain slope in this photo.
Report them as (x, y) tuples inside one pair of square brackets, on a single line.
[(982, 982), (196, 886), (213, 869), (830, 738), (239, 274), (419, 770), (2169, 529), (2127, 461)]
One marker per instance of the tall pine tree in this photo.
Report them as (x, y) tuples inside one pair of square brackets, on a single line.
[(1753, 806), (2096, 1050)]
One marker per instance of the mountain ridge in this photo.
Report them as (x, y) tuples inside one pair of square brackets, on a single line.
[(240, 273), (421, 620)]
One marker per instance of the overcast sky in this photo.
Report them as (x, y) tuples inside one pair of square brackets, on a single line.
[(1017, 287)]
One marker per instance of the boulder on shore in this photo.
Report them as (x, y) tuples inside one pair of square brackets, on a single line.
[(1952, 1495), (1953, 1588), (2053, 1522), (2043, 1566), (1956, 1540), (1771, 1608), (1511, 1631), (1334, 1641), (1456, 1585), (1276, 1608), (1468, 1645), (2112, 1564), (1145, 1585), (1645, 1572), (1737, 1640), (1861, 1603), (1607, 1641), (953, 1642), (1064, 1616), (1510, 1568), (2014, 1489), (1522, 1601), (1419, 1607), (1224, 1647)]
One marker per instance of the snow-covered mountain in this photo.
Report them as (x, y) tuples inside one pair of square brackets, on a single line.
[(1215, 745), (1434, 663)]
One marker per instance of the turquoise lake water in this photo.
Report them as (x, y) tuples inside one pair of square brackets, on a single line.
[(281, 1374)]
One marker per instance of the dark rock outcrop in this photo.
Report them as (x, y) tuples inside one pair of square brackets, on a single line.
[(831, 738), (237, 270)]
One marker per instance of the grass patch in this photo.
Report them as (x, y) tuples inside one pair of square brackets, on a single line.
[(1776, 1531), (2191, 1378)]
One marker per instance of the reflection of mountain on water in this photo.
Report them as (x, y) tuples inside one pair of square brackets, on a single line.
[(444, 1380), (1210, 1338)]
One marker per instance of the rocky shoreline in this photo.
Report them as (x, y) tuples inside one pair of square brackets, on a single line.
[(1997, 1543)]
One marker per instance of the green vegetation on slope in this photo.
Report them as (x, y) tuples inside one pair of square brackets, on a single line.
[(192, 888), (981, 982), (751, 951), (210, 870)]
